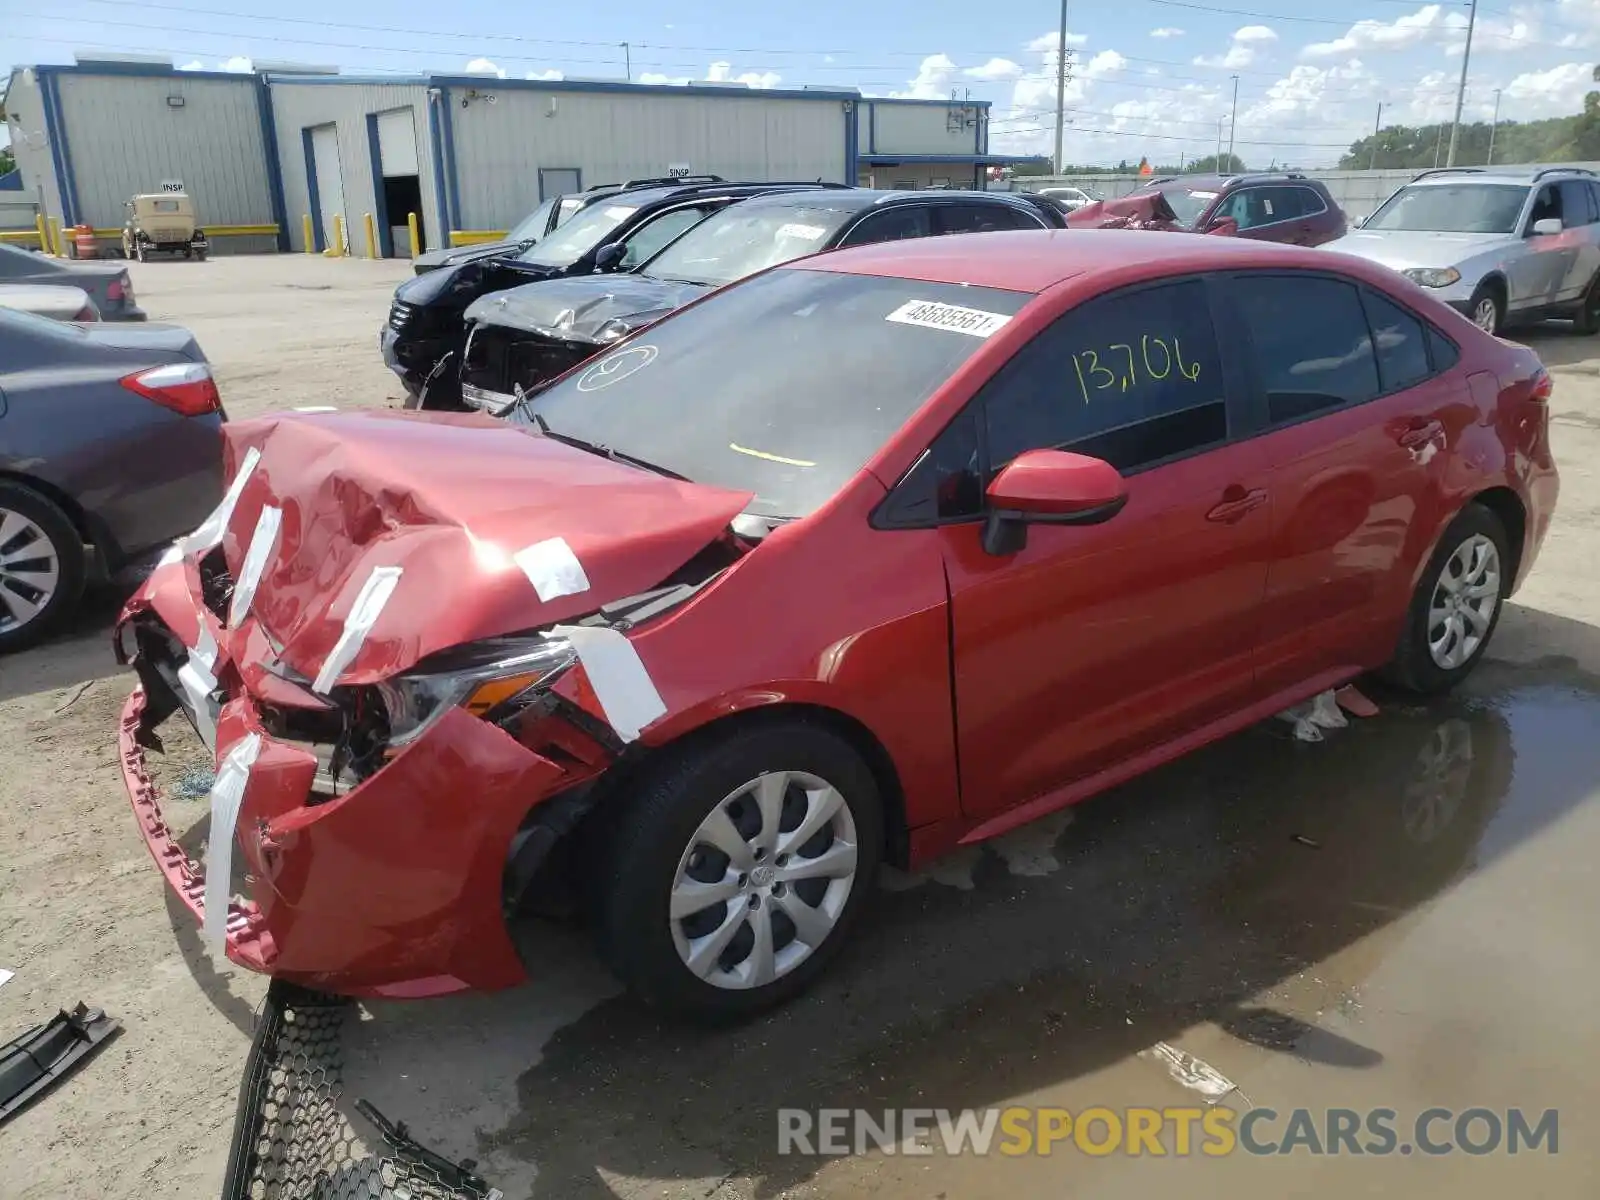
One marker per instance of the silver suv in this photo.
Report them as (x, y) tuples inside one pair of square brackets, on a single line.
[(1496, 243)]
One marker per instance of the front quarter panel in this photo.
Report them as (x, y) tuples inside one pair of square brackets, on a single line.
[(830, 613)]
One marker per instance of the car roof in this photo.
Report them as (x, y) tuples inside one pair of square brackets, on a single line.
[(1034, 260), (1214, 182), (1524, 175), (861, 199)]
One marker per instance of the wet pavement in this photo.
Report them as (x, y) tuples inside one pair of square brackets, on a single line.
[(1397, 917)]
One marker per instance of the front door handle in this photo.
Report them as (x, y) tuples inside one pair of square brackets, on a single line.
[(1416, 436), (1236, 505)]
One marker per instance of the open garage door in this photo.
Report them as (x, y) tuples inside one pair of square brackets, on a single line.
[(328, 183), (400, 188)]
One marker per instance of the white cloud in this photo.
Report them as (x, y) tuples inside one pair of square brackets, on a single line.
[(995, 68), (544, 75), (722, 72), (1399, 34), (192, 65), (1166, 31), (1103, 64), (1242, 48), (483, 66), (1046, 43), (1551, 93), (238, 64), (934, 79)]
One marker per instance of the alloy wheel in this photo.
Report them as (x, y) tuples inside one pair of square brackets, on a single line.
[(1486, 315), (30, 570), (1464, 602), (764, 880)]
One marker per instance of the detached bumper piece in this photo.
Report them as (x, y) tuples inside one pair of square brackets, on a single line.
[(291, 1140), (47, 1054)]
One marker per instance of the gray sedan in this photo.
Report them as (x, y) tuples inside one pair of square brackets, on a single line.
[(107, 283), (110, 447)]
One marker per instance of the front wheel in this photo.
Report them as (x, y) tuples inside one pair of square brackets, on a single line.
[(739, 868), (1457, 604), (41, 566), (1486, 309)]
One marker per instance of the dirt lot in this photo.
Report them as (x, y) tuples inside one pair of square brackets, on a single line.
[(1401, 917)]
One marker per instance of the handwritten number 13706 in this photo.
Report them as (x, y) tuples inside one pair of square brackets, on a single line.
[(1158, 358)]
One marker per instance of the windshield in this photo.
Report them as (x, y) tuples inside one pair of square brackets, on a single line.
[(782, 386), (567, 244), (1188, 203), (740, 241), (571, 206), (1452, 208), (531, 228)]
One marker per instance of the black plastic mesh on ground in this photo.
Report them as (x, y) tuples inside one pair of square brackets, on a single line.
[(291, 1141)]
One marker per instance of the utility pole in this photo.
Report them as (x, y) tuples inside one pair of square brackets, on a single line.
[(1461, 89), (1220, 122), (1377, 128), (1438, 144), (1233, 123), (1493, 125), (1061, 83), (627, 60)]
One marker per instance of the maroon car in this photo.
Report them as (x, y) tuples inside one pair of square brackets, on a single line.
[(1278, 207)]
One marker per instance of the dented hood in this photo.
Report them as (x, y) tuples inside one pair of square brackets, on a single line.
[(1142, 210), (450, 499), (576, 310)]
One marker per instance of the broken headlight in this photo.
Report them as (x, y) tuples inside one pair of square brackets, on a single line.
[(479, 678)]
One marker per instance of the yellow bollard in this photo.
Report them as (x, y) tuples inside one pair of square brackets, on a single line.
[(310, 233), (337, 249), (55, 237), (44, 234), (416, 234), (372, 235)]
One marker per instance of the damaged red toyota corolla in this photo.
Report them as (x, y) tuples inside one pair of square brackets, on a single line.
[(869, 556)]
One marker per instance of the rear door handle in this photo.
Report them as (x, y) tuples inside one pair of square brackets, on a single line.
[(1237, 504), (1417, 436)]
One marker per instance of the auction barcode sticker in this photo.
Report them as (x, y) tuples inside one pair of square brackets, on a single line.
[(809, 232), (930, 314)]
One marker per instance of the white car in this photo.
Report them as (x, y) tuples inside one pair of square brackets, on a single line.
[(49, 300), (1070, 198)]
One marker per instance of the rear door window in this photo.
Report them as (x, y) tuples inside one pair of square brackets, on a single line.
[(1311, 203), (1134, 378), (982, 218), (892, 225), (1402, 344), (1310, 343), (1577, 203)]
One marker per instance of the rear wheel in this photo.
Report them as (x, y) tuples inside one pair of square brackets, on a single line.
[(41, 566), (739, 869), (1457, 604), (1487, 309)]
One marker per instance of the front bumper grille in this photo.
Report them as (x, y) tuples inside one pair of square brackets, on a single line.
[(503, 360)]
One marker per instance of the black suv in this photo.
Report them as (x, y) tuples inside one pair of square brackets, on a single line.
[(520, 339), (617, 231), (542, 221)]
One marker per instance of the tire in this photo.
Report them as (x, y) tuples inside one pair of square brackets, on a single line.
[(188, 253), (660, 840), (1487, 308), (1432, 666), (1586, 320), (34, 532), (139, 252)]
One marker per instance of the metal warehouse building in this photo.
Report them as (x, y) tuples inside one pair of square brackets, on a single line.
[(259, 153)]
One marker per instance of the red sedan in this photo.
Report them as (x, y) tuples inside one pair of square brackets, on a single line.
[(867, 557)]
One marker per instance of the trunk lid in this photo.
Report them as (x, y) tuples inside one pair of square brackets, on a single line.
[(450, 499), (166, 342)]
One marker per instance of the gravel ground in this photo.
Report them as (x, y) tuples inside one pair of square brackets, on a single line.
[(1037, 969)]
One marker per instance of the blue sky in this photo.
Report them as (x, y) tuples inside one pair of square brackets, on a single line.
[(1151, 77)]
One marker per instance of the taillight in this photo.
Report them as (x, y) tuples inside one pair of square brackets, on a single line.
[(1543, 387), (185, 388), (117, 289)]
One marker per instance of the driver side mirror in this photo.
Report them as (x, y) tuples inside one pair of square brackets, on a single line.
[(608, 257), (1546, 226), (1223, 226), (1049, 487)]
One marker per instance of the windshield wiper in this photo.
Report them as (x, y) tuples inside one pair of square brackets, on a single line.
[(604, 451)]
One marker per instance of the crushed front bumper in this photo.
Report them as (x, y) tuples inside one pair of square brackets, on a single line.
[(393, 887)]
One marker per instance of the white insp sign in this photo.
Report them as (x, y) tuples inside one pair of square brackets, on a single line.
[(930, 314), (679, 170), (172, 185), (794, 229)]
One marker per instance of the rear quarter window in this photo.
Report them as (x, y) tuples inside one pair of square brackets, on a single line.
[(1310, 343)]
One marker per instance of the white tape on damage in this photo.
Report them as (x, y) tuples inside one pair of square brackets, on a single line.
[(198, 683), (624, 688), (227, 794), (209, 535), (262, 543), (552, 568), (364, 614)]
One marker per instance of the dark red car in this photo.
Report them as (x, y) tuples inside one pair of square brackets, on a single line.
[(1282, 207), (867, 557)]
